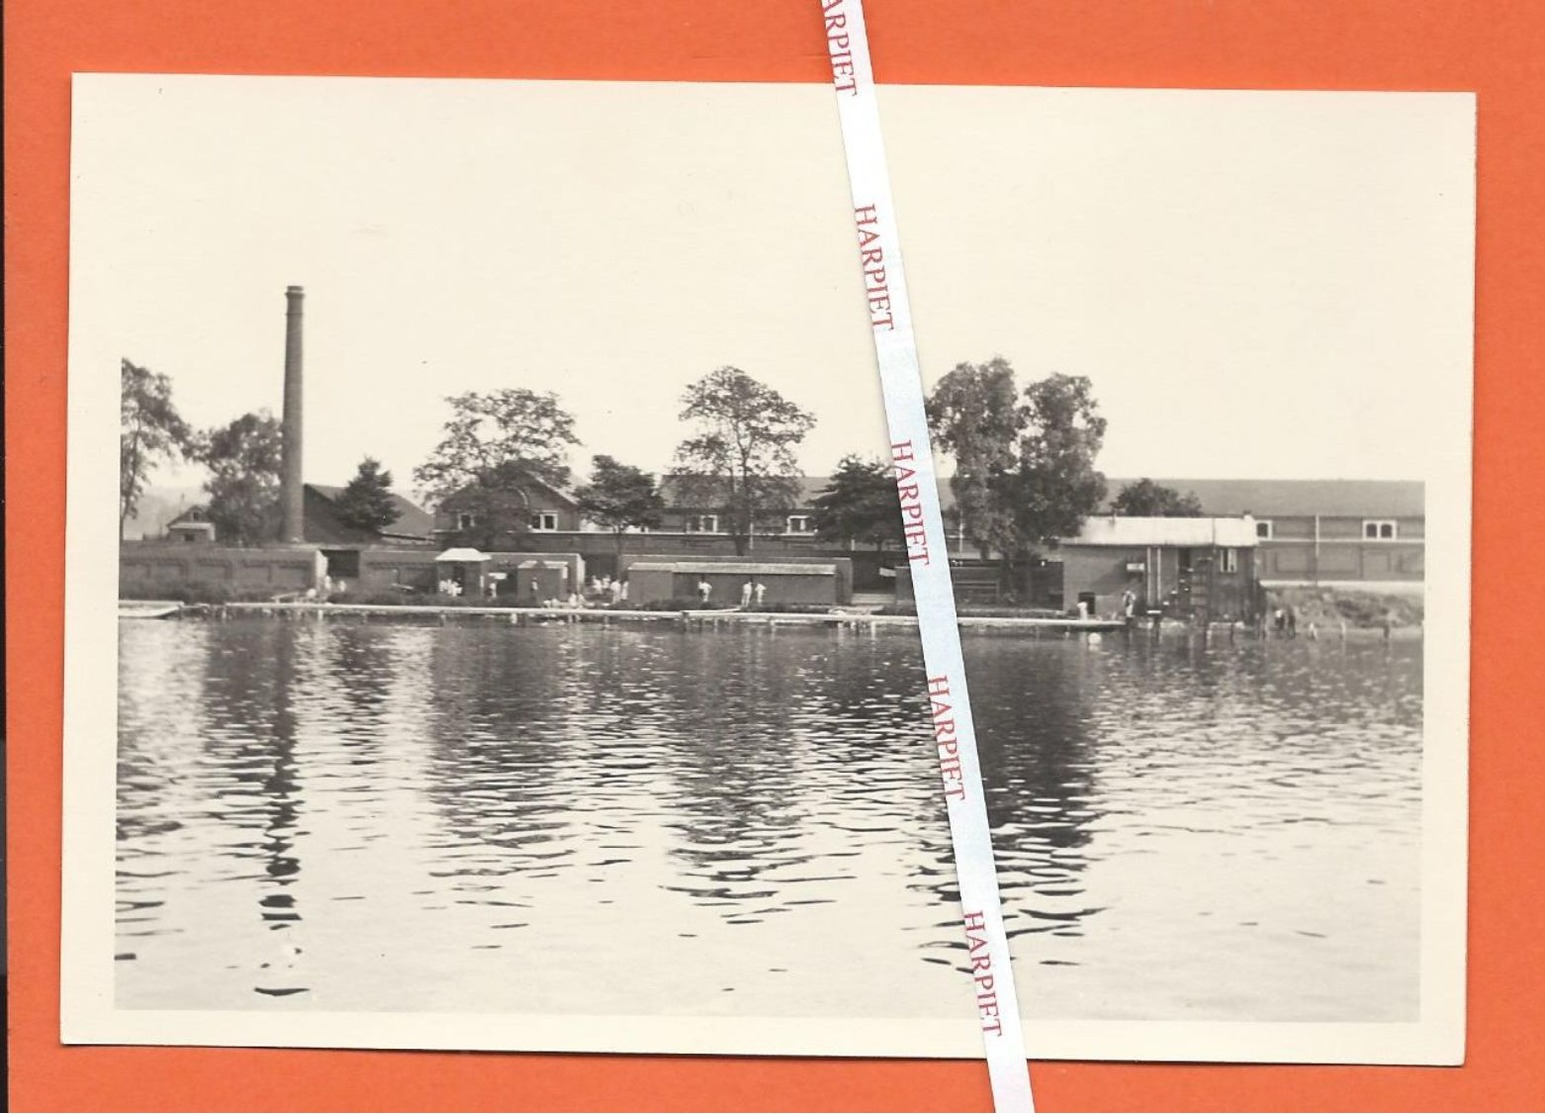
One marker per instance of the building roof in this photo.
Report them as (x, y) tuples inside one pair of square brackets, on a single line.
[(1165, 531), (510, 483), (1265, 499), (671, 488), (412, 522), (463, 554), (737, 567), (1219, 496)]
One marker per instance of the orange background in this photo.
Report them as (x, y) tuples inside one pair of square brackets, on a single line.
[(1494, 47)]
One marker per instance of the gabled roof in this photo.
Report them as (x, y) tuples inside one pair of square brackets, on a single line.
[(1165, 531), (195, 514), (1265, 499), (527, 478), (412, 522), (672, 486)]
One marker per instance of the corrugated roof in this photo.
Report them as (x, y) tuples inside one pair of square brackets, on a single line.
[(1166, 531), (1268, 498), (736, 567)]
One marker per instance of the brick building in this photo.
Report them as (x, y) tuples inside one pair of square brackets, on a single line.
[(1322, 531)]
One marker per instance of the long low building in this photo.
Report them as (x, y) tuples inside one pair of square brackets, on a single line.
[(724, 583), (1322, 531)]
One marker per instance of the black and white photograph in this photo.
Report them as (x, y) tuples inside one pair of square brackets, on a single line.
[(514, 643)]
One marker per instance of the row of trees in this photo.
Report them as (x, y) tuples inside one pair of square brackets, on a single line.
[(739, 461), (1024, 463)]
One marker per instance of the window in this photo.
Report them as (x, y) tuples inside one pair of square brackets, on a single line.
[(1379, 529), (703, 525), (1229, 562), (465, 520), (544, 521), (799, 525), (1263, 529)]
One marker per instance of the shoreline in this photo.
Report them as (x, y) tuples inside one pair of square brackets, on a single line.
[(713, 618)]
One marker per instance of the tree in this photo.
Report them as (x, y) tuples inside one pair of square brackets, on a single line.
[(366, 501), (859, 504), (495, 444), (150, 431), (1057, 486), (741, 462), (499, 434), (621, 496), (243, 459), (1149, 498), (975, 418), (1025, 472)]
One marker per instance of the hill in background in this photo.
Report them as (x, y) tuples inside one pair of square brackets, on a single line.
[(159, 507)]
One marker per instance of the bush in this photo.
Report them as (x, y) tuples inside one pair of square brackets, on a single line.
[(1357, 608)]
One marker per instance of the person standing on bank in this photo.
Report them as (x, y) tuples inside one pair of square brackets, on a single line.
[(745, 594), (704, 589), (761, 591)]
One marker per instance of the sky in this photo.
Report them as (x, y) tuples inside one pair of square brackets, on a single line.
[(1257, 284)]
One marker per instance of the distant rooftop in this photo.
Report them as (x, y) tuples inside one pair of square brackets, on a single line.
[(1265, 499), (1166, 531)]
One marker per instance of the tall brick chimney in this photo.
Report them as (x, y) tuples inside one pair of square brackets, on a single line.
[(292, 479)]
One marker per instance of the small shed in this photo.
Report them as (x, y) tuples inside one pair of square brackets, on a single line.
[(783, 583), (1182, 565), (465, 567), (536, 581)]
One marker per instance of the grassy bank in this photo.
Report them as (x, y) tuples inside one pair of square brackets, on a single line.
[(1330, 607)]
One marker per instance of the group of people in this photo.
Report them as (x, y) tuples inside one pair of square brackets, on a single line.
[(752, 592), (609, 590)]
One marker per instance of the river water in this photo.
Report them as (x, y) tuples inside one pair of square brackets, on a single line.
[(347, 815)]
